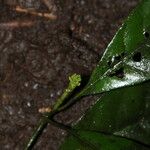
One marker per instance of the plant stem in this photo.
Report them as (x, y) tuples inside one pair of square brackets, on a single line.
[(70, 103), (38, 131), (74, 82)]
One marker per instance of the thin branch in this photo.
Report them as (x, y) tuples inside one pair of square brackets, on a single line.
[(16, 24), (50, 16)]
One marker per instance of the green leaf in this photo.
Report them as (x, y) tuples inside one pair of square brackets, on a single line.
[(126, 60), (124, 112), (98, 141)]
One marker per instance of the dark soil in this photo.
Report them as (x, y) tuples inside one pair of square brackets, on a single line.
[(38, 54)]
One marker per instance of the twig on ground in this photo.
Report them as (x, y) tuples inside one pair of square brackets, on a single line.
[(32, 12), (16, 24)]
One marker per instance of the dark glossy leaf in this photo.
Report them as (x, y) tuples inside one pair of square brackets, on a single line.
[(126, 60), (97, 141), (123, 112)]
